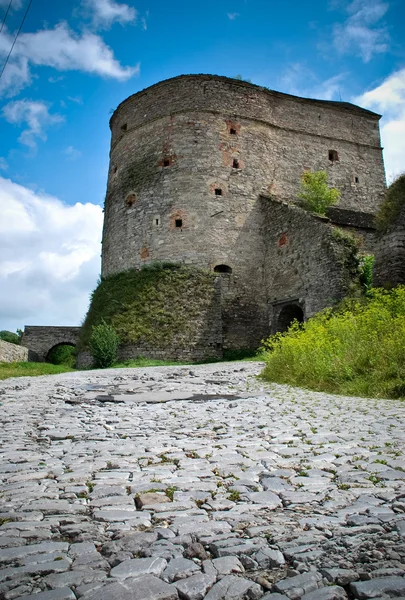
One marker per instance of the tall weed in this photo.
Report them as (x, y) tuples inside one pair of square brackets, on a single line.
[(357, 350)]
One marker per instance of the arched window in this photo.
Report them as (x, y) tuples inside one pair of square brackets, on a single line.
[(222, 269)]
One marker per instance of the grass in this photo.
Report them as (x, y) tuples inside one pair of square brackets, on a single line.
[(356, 350), (31, 369)]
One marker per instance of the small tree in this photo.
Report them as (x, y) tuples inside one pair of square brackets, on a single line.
[(315, 194), (104, 344)]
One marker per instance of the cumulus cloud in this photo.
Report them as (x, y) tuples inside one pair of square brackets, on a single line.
[(233, 16), (361, 33), (62, 49), (106, 12), (34, 114), (388, 99), (49, 257)]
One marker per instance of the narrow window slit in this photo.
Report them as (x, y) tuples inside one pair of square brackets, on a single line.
[(235, 163), (232, 131), (179, 223), (166, 162), (333, 156), (218, 192), (124, 127)]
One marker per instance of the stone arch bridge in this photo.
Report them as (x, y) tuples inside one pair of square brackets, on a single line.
[(40, 340)]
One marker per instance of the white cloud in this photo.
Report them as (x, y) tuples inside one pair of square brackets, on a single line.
[(72, 153), (3, 164), (360, 33), (107, 12), (233, 16), (299, 80), (388, 99), (50, 257), (34, 114), (62, 49)]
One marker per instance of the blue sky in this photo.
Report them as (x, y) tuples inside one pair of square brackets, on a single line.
[(75, 61)]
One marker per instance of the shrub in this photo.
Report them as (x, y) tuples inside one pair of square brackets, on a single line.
[(392, 204), (316, 196), (104, 344), (10, 337), (366, 272), (358, 349)]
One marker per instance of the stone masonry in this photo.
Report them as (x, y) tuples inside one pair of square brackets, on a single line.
[(192, 159), (12, 352), (389, 268), (41, 339)]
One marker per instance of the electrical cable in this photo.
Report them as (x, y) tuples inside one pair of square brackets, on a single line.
[(5, 16), (15, 39)]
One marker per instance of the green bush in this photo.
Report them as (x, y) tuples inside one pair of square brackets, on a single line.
[(62, 355), (316, 196), (366, 272), (358, 349), (104, 344), (392, 204), (10, 337)]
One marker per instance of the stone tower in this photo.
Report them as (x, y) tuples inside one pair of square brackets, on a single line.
[(204, 170)]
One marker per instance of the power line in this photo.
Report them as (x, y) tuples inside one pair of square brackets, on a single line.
[(15, 39), (5, 16)]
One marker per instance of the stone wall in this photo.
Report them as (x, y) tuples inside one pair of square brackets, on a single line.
[(389, 267), (41, 339), (308, 263), (12, 352)]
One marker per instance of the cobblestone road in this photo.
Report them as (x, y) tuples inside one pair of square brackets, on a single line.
[(198, 483)]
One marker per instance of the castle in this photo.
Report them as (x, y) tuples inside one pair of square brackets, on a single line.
[(205, 171)]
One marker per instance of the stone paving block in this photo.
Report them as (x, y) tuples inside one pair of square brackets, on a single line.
[(179, 568), (295, 587), (139, 566), (388, 586), (195, 587), (58, 594), (235, 588), (333, 592)]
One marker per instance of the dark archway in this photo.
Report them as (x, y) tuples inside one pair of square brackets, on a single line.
[(222, 269), (288, 314), (63, 353)]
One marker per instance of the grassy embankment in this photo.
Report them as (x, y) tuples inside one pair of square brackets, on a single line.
[(357, 349)]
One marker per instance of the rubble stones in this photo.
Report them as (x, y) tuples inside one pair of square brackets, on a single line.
[(277, 493)]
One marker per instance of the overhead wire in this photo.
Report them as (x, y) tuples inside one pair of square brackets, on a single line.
[(15, 38), (5, 16)]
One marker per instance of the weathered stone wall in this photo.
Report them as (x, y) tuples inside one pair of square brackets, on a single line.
[(41, 339), (308, 264), (389, 267), (189, 159), (12, 352)]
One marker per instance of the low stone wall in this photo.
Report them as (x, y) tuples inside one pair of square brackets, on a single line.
[(128, 351), (12, 352)]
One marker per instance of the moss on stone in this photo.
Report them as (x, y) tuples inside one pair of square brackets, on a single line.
[(160, 305)]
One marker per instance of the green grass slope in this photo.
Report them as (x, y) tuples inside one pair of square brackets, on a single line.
[(357, 350), (159, 305)]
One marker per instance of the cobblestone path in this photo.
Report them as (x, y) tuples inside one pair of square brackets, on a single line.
[(198, 483)]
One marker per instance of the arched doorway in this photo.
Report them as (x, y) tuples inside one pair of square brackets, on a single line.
[(63, 353), (288, 314)]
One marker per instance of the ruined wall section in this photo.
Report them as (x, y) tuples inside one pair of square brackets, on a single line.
[(389, 267), (12, 353), (308, 262)]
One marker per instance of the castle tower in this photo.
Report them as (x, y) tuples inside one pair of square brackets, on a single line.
[(190, 160)]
